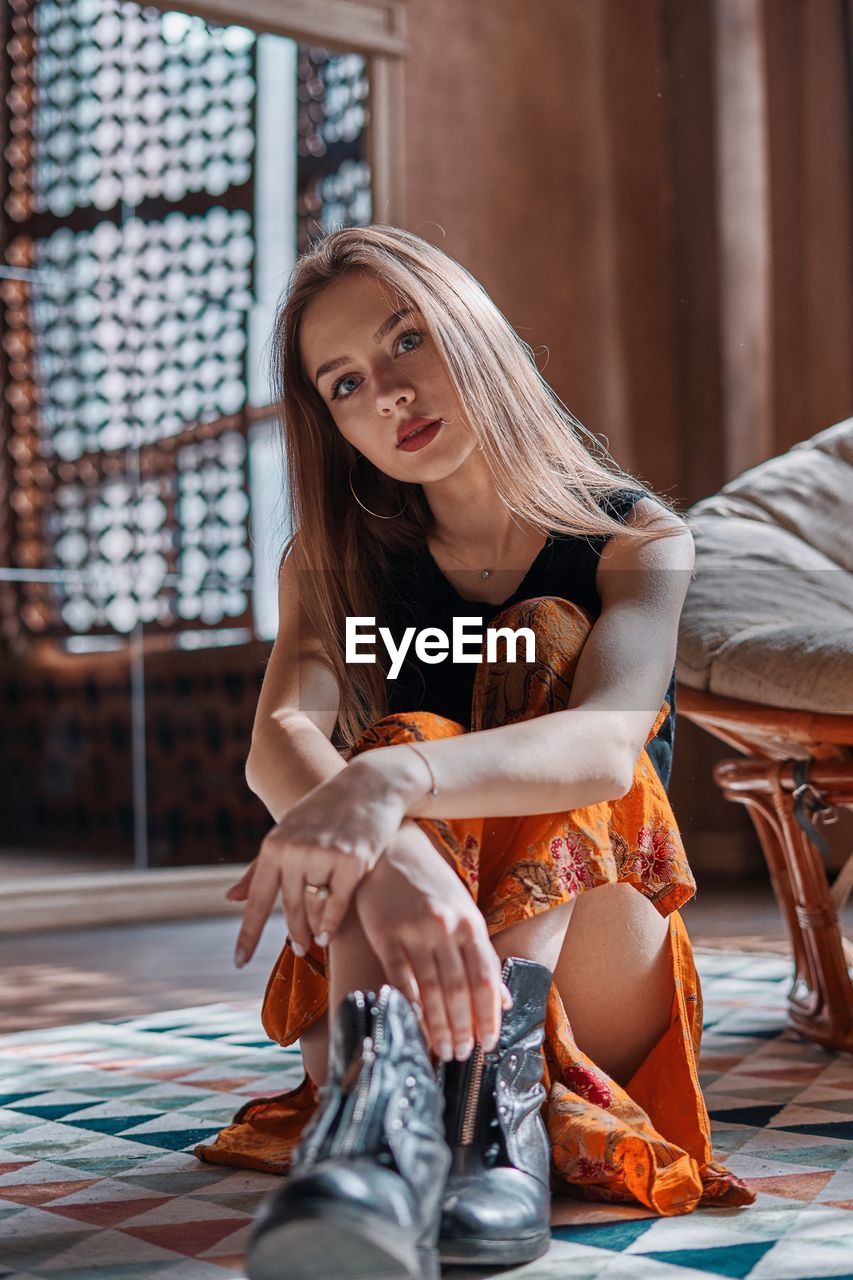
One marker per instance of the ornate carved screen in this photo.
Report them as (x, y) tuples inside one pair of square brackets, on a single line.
[(160, 173), (136, 218)]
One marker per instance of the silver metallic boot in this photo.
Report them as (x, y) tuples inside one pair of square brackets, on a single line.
[(363, 1198)]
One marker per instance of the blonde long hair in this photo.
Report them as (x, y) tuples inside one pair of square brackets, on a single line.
[(541, 457)]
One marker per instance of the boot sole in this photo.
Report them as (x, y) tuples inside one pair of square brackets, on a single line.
[(330, 1240), (478, 1253)]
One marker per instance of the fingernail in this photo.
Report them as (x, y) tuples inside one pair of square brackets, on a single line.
[(297, 949), (445, 1051), (240, 957), (506, 998), (322, 939), (490, 1043), (464, 1050)]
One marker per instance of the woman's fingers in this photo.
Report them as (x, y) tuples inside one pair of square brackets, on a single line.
[(457, 993), (293, 897), (342, 883), (458, 978), (240, 891), (322, 875), (432, 1004), (399, 972), (259, 904), (484, 976)]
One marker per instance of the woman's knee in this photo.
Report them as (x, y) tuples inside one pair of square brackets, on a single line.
[(407, 726), (548, 615), (505, 691)]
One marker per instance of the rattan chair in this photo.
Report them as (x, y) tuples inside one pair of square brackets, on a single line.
[(765, 664)]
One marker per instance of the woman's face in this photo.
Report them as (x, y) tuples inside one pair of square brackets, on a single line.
[(385, 372)]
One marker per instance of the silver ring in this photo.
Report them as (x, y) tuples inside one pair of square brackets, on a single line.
[(321, 890)]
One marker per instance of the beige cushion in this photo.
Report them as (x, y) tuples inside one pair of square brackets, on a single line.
[(769, 615)]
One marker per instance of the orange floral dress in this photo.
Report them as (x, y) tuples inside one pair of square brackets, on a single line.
[(647, 1142)]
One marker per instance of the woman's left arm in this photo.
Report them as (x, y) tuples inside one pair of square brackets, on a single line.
[(588, 752)]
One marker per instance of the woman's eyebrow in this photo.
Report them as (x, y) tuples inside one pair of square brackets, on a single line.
[(385, 328)]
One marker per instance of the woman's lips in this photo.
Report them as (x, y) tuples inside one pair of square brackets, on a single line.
[(421, 438)]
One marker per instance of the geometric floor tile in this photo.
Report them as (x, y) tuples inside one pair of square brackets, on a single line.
[(98, 1121)]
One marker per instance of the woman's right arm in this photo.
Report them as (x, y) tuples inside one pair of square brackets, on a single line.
[(290, 755), (291, 752)]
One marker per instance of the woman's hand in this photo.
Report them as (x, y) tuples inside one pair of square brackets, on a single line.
[(434, 946), (332, 837)]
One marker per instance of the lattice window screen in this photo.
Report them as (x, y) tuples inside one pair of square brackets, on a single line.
[(131, 259), (334, 176)]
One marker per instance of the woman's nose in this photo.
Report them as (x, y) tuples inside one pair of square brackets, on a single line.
[(391, 388)]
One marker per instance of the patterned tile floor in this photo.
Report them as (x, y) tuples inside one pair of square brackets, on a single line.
[(98, 1120)]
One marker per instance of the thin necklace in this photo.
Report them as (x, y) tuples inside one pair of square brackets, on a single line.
[(484, 573)]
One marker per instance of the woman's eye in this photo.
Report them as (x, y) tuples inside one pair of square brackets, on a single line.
[(335, 393), (413, 333)]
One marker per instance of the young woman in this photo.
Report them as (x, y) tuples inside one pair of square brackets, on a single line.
[(439, 831)]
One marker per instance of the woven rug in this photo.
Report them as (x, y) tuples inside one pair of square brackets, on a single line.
[(97, 1178)]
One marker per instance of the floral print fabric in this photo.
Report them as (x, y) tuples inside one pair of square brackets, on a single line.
[(647, 1142)]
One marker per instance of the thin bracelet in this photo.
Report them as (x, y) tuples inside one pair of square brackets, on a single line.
[(434, 790)]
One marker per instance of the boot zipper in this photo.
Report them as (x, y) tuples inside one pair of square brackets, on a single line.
[(351, 1134), (474, 1077), (473, 1080)]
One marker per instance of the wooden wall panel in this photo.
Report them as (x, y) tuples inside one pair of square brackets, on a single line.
[(507, 169), (640, 163), (811, 216), (744, 220), (690, 97)]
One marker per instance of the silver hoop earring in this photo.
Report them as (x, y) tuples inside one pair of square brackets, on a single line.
[(367, 509)]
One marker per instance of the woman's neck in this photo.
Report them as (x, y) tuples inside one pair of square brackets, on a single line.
[(471, 522)]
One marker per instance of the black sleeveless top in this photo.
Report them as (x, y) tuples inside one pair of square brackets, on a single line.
[(416, 593)]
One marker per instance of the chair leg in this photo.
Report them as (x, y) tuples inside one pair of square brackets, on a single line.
[(820, 999)]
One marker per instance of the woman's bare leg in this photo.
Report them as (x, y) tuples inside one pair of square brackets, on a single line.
[(614, 976), (353, 966), (539, 938), (314, 1044), (612, 967), (608, 950)]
